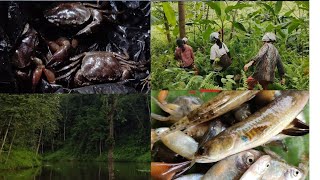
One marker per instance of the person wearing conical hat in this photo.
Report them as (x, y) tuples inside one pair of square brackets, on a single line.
[(265, 63)]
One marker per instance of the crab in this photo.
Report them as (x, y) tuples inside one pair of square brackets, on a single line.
[(77, 14), (60, 49), (179, 108), (100, 67)]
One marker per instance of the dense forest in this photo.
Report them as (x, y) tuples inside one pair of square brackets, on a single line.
[(241, 26), (36, 128)]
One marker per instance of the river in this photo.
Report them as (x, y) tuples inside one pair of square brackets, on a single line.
[(80, 171)]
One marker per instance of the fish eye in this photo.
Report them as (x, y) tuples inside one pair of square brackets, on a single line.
[(250, 160), (201, 150), (295, 172), (268, 164)]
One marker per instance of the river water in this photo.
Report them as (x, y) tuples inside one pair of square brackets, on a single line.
[(81, 171)]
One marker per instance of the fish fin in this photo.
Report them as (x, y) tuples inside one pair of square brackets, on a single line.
[(295, 132), (186, 168), (279, 143), (169, 108), (296, 123), (160, 118), (271, 153), (296, 128), (180, 167), (211, 132)]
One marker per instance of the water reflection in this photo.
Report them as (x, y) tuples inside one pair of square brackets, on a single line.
[(81, 171)]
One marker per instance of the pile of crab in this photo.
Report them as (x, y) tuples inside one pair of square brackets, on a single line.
[(233, 135), (93, 47)]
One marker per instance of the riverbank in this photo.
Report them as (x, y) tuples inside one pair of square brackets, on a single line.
[(19, 159), (24, 159), (121, 153)]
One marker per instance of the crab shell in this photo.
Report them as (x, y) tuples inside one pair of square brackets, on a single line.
[(68, 14), (98, 67)]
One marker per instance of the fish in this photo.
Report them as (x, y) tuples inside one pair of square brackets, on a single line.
[(257, 169), (232, 167), (256, 130), (190, 177), (219, 105), (281, 170)]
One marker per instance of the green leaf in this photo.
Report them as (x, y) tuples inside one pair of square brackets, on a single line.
[(215, 6), (169, 12), (269, 8), (155, 20), (175, 31), (293, 26), (237, 6), (289, 12), (229, 76), (239, 26), (278, 7), (207, 33)]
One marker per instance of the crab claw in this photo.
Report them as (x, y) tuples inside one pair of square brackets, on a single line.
[(50, 76), (36, 77), (60, 49)]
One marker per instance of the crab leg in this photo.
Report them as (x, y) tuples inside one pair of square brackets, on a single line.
[(69, 73), (97, 19)]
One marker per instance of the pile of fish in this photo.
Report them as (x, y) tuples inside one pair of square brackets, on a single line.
[(84, 47), (228, 137)]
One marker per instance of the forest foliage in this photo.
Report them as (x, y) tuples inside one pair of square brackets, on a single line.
[(242, 25), (72, 127)]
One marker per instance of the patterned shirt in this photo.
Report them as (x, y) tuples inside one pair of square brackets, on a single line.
[(186, 56), (266, 61)]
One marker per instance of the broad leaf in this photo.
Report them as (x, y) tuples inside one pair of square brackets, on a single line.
[(237, 6), (215, 6), (207, 33), (293, 26), (239, 26), (278, 7), (269, 8), (169, 12)]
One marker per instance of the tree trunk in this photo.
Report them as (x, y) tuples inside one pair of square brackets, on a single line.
[(5, 136), (65, 120), (52, 145), (166, 27), (110, 117), (182, 19), (64, 130), (207, 16), (39, 141), (232, 26), (11, 145), (100, 149)]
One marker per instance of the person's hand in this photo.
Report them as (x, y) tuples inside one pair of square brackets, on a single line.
[(246, 67), (283, 81)]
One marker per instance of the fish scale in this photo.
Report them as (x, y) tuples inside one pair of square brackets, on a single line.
[(219, 105), (257, 129)]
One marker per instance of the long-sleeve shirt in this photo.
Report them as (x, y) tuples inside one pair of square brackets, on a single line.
[(266, 61), (186, 56)]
